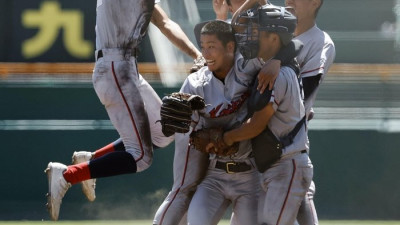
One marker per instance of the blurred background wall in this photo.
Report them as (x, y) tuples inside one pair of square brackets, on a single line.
[(45, 117), (33, 30)]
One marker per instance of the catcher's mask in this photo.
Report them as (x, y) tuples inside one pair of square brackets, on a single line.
[(246, 33), (269, 18)]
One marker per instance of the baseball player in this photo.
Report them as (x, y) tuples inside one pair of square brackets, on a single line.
[(120, 27), (175, 34), (315, 59), (285, 181), (229, 179)]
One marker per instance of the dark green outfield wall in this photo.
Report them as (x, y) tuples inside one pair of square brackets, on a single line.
[(356, 172)]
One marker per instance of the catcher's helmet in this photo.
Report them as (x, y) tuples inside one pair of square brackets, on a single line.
[(277, 19), (269, 18)]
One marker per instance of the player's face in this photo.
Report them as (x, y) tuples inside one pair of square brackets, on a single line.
[(219, 57), (302, 8), (267, 43)]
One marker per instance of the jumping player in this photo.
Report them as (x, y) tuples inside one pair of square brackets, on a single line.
[(175, 34), (123, 92), (285, 183)]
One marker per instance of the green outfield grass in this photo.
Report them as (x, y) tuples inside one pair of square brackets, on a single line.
[(149, 222)]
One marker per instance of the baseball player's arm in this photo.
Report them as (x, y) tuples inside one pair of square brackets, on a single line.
[(315, 68), (310, 84), (173, 32), (269, 72), (252, 127)]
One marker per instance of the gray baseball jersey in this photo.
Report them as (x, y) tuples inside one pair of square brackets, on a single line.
[(120, 26), (316, 57), (286, 182), (289, 109), (226, 107)]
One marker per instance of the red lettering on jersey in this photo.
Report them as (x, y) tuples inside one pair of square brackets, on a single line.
[(232, 108)]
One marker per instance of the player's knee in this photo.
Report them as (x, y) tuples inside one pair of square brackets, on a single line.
[(311, 189), (162, 142), (142, 161)]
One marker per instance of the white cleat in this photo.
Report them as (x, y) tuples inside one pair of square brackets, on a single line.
[(58, 186), (88, 186)]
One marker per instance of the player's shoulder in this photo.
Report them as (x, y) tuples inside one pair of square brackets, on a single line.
[(286, 75), (248, 67), (312, 36), (200, 77), (328, 40), (321, 36)]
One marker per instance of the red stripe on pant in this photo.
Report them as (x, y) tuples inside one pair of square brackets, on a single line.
[(130, 113), (179, 189), (288, 191)]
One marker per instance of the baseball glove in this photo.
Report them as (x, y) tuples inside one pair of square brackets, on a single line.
[(198, 64), (202, 138), (176, 112)]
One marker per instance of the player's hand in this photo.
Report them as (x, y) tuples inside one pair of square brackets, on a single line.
[(268, 74), (211, 146), (227, 140), (198, 63), (221, 9)]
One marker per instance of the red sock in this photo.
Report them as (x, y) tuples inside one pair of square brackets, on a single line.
[(77, 173), (104, 150)]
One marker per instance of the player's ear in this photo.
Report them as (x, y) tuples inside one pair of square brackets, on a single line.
[(231, 46), (275, 37), (316, 4)]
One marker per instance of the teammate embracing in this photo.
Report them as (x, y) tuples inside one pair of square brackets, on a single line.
[(278, 122), (315, 59)]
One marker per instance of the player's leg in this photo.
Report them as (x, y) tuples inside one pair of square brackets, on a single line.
[(89, 186), (307, 213), (153, 105), (247, 189), (284, 187), (209, 202), (117, 89), (189, 168)]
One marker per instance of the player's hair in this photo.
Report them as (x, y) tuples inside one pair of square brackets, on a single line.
[(221, 29)]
